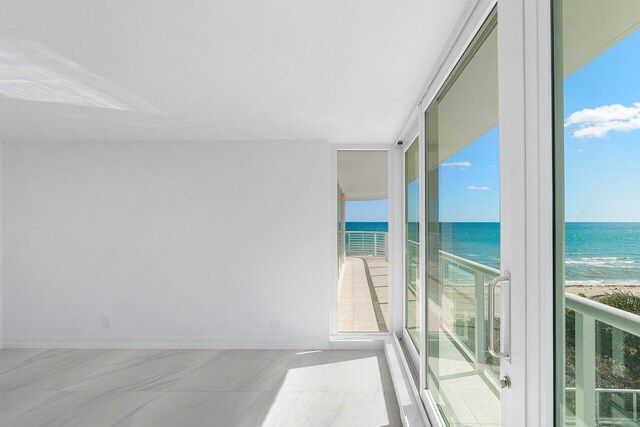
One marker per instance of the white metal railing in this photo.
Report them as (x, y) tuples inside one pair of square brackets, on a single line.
[(477, 268), (615, 317), (412, 249), (366, 243), (480, 275), (587, 312), (634, 401), (634, 394)]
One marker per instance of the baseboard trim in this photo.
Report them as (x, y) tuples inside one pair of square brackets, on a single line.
[(169, 343), (358, 341)]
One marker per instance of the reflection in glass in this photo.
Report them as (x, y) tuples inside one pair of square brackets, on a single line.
[(412, 242), (463, 236)]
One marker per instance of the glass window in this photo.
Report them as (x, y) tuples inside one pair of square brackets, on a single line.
[(412, 242), (463, 235), (597, 153)]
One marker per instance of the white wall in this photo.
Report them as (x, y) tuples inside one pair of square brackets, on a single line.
[(182, 244), (1, 258)]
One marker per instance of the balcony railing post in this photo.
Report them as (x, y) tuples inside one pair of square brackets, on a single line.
[(480, 332), (375, 244), (585, 370)]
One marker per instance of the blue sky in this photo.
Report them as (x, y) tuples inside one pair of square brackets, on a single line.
[(366, 211), (602, 151), (602, 140), (469, 182)]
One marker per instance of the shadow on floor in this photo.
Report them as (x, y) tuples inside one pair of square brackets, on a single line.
[(196, 388)]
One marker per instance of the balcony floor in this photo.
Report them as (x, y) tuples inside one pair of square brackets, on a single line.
[(363, 303), (464, 396)]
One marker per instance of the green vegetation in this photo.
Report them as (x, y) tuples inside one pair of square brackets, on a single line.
[(623, 301)]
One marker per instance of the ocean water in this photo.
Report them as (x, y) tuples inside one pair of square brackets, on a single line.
[(596, 252), (602, 252), (367, 226)]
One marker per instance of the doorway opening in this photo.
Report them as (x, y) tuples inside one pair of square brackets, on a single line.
[(363, 243)]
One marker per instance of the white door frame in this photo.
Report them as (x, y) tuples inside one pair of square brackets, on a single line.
[(526, 134), (524, 40), (536, 28), (408, 141), (512, 208), (363, 340)]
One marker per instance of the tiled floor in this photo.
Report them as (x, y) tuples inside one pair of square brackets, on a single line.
[(195, 388), (465, 397), (363, 304)]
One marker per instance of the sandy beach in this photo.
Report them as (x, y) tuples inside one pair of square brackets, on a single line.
[(601, 289), (465, 294)]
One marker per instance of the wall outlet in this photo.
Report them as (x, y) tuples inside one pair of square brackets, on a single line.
[(106, 322), (275, 324)]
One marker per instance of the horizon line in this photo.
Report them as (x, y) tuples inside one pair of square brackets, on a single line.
[(497, 222)]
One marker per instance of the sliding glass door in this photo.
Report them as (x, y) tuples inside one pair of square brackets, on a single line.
[(463, 238), (412, 295), (482, 326), (597, 212)]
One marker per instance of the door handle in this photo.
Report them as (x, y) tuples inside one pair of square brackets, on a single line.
[(505, 278)]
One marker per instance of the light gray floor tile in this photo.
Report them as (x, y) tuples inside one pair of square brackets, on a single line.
[(337, 370), (94, 409), (13, 403), (239, 370), (9, 356), (229, 409), (142, 370), (140, 387), (349, 409), (49, 370)]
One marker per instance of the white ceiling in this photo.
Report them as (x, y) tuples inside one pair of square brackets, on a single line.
[(338, 70), (362, 174)]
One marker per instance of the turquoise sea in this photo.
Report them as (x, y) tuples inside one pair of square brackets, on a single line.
[(596, 252), (367, 226)]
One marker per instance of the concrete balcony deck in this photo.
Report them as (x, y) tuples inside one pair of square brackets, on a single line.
[(363, 302)]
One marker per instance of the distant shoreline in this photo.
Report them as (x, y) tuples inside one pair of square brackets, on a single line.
[(497, 222), (597, 283), (602, 289)]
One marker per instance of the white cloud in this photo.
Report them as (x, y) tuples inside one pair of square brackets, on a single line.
[(598, 122), (457, 164), (478, 188)]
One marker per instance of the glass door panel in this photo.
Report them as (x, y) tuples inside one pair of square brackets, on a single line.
[(597, 217), (412, 243), (463, 236)]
